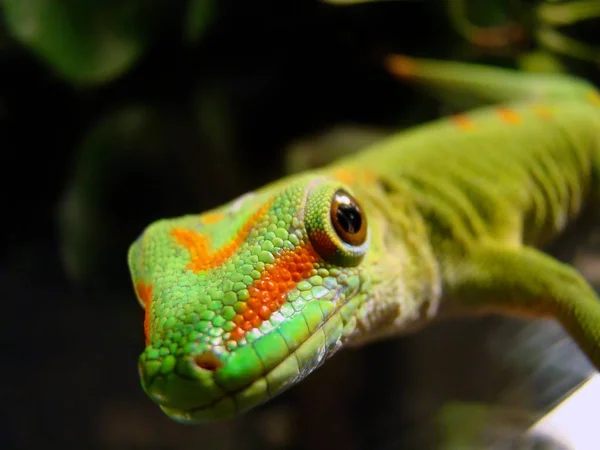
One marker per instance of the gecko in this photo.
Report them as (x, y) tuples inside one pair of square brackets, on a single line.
[(443, 219)]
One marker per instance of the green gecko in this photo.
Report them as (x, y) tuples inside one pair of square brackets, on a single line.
[(244, 301)]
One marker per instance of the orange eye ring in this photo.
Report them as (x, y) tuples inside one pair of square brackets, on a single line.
[(348, 218)]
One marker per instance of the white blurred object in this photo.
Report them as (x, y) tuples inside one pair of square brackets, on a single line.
[(573, 422)]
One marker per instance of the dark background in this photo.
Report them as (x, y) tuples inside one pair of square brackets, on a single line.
[(201, 114)]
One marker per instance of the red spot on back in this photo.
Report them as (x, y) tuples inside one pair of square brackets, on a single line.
[(268, 293), (144, 293), (463, 122), (202, 256), (509, 116)]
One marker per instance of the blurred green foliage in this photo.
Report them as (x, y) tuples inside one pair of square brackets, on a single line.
[(198, 18), (90, 42)]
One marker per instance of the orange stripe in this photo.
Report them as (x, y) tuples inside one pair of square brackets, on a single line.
[(202, 257), (269, 292), (144, 293)]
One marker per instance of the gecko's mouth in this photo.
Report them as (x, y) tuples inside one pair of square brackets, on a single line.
[(237, 386)]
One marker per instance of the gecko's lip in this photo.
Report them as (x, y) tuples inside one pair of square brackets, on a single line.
[(221, 404), (225, 406), (201, 398)]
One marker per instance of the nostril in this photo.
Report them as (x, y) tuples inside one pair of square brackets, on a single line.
[(208, 361)]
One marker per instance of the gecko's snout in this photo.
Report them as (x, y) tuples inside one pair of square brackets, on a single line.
[(182, 384)]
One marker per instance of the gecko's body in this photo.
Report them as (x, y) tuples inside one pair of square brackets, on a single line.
[(245, 300)]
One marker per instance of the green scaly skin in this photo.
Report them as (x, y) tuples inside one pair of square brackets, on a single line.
[(244, 301)]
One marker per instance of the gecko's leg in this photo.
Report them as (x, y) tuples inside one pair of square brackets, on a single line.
[(524, 281), (469, 84)]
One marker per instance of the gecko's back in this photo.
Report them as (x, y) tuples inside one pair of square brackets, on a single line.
[(517, 172)]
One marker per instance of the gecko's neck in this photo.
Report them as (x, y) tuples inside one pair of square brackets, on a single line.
[(403, 282)]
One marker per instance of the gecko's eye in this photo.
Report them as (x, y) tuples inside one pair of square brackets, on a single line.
[(336, 224), (348, 219)]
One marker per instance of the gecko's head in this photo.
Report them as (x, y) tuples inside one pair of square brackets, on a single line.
[(245, 300)]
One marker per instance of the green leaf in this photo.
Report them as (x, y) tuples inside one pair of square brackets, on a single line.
[(85, 41), (199, 16)]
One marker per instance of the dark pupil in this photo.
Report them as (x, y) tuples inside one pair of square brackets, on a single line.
[(349, 218)]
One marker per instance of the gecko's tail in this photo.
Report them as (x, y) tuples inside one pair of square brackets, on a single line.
[(468, 84)]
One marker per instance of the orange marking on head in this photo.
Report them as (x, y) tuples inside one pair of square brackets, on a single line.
[(509, 116), (352, 175), (543, 111), (594, 98), (268, 293), (212, 217), (202, 256), (144, 293), (463, 122), (344, 175), (401, 66)]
